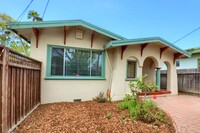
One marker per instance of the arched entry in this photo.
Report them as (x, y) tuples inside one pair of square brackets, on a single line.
[(165, 76), (150, 68)]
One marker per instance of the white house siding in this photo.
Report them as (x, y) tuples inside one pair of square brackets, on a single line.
[(188, 63)]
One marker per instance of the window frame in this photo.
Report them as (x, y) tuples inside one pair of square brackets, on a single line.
[(178, 63), (135, 61), (53, 77)]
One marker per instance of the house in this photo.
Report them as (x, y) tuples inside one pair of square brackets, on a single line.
[(80, 59), (191, 62)]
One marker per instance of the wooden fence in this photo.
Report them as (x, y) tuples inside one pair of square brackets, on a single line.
[(20, 87), (188, 80)]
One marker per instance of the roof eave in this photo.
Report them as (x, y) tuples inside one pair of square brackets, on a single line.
[(145, 40), (46, 24)]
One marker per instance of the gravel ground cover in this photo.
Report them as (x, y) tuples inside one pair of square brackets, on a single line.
[(86, 117)]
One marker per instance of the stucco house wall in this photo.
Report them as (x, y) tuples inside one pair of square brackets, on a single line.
[(120, 85), (68, 90), (149, 54)]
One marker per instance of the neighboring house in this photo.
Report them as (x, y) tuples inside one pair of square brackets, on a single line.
[(191, 62), (80, 59)]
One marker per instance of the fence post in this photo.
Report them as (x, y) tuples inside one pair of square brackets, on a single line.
[(4, 90)]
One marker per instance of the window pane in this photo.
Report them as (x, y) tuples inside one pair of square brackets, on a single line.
[(57, 61), (131, 70), (77, 62), (71, 62), (177, 63), (83, 63), (96, 64)]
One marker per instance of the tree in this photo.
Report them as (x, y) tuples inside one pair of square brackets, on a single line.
[(10, 39), (33, 15)]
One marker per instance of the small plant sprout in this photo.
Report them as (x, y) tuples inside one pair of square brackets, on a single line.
[(108, 95), (123, 117), (100, 98), (108, 116)]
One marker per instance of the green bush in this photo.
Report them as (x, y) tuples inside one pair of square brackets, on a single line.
[(128, 103), (145, 111)]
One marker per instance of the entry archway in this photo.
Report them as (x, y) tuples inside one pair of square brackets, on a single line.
[(150, 68)]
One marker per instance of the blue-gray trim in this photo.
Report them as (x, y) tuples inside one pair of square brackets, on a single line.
[(118, 43), (60, 23)]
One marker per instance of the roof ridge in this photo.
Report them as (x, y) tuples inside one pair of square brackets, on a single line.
[(56, 23)]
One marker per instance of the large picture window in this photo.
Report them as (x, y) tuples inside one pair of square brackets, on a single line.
[(131, 69), (75, 62)]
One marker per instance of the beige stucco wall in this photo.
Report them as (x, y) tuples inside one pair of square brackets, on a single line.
[(68, 90), (120, 86)]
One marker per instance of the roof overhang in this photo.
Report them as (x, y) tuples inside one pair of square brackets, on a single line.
[(193, 50), (22, 26), (118, 43)]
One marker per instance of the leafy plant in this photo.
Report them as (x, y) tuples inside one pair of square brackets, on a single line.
[(108, 116), (100, 98), (145, 110), (139, 86), (127, 103)]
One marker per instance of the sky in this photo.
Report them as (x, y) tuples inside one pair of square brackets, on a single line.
[(168, 19)]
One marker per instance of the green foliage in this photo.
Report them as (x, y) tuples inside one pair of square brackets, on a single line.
[(100, 98), (149, 104), (32, 14), (108, 116), (127, 103), (10, 39), (145, 110), (139, 86)]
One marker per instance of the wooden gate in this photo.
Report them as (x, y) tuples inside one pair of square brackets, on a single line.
[(188, 80)]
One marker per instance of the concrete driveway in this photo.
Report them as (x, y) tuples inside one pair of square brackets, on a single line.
[(184, 109)]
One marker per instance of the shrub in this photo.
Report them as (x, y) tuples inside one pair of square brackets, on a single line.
[(143, 110), (139, 86), (127, 103)]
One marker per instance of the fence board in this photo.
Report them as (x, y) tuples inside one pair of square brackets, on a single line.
[(20, 87), (188, 80), (0, 98)]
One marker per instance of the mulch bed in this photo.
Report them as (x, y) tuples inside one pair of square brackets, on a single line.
[(85, 117)]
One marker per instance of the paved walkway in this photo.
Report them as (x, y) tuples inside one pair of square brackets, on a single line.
[(184, 109)]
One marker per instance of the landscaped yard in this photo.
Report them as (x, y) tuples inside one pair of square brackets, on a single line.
[(87, 117)]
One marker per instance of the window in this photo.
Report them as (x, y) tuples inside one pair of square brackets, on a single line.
[(177, 63), (74, 62), (131, 69), (198, 62)]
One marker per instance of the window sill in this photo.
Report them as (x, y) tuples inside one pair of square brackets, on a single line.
[(130, 79), (73, 78)]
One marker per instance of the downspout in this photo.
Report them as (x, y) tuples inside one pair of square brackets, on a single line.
[(111, 73)]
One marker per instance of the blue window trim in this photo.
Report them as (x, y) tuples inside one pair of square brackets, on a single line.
[(52, 77)]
